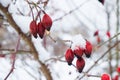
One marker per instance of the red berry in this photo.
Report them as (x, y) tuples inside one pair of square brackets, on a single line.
[(41, 30), (118, 70), (33, 28), (47, 22), (96, 33), (105, 77), (80, 63), (108, 34), (102, 1), (88, 49), (69, 56), (116, 77), (78, 51)]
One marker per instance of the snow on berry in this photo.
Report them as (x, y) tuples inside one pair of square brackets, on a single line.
[(78, 52), (105, 77), (78, 41)]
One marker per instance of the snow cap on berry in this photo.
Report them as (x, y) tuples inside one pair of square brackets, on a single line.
[(78, 41), (105, 77), (69, 56)]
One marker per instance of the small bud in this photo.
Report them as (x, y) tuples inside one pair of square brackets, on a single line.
[(80, 63), (88, 49), (69, 56), (105, 77), (33, 28), (98, 39), (47, 21), (78, 52), (108, 34), (41, 30), (96, 33)]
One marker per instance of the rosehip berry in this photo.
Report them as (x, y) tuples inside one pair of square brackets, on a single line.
[(105, 77), (47, 21), (118, 70), (41, 30), (102, 1), (78, 52), (88, 49), (116, 77), (96, 33), (108, 34), (80, 63), (33, 28), (69, 56)]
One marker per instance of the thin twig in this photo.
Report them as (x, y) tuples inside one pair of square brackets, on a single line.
[(71, 11), (14, 59), (20, 51)]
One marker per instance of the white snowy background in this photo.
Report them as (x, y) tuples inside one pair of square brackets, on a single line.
[(88, 18)]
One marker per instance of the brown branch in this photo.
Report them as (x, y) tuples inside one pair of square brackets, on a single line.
[(19, 51), (43, 68)]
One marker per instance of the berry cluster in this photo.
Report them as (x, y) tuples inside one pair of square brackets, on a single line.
[(44, 24), (78, 52), (116, 77)]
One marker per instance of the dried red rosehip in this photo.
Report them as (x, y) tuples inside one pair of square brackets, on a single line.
[(47, 21), (102, 1), (69, 56), (78, 52), (96, 33), (41, 30), (108, 34), (88, 49), (105, 77), (80, 63), (33, 28)]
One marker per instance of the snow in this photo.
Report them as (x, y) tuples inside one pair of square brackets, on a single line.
[(93, 16), (78, 40)]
